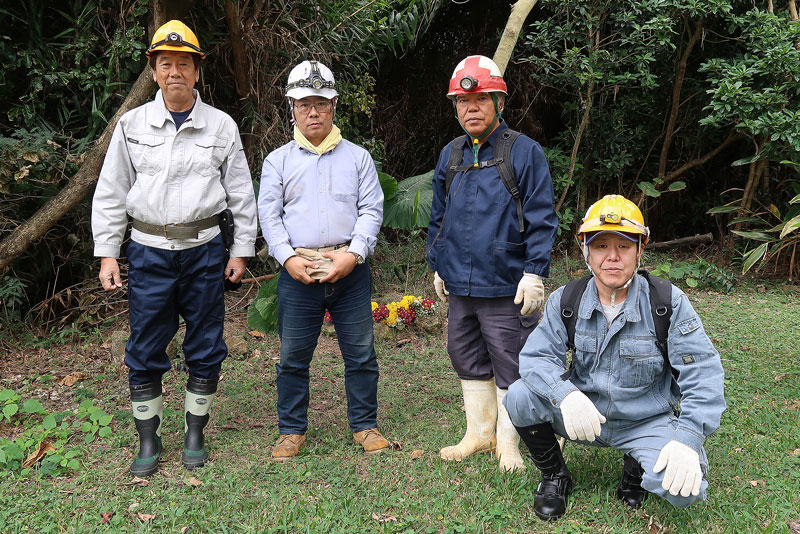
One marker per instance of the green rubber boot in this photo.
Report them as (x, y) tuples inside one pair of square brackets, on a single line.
[(148, 412), (199, 397)]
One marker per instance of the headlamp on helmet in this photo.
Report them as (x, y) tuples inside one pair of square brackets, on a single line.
[(468, 83), (175, 36), (314, 80)]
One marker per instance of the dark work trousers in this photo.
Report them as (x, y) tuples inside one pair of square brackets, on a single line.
[(484, 337), (165, 284)]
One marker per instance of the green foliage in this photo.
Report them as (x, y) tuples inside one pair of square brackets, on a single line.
[(773, 229), (699, 274), (12, 296), (49, 434), (262, 314), (410, 207)]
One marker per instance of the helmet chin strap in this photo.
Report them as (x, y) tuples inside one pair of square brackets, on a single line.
[(623, 286)]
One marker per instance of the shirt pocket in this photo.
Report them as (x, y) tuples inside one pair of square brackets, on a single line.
[(344, 186), (585, 352), (207, 155), (640, 362), (146, 152)]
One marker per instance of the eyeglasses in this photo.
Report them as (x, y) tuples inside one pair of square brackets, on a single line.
[(322, 106)]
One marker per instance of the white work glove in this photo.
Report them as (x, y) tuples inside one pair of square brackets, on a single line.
[(530, 292), (438, 285), (581, 419), (683, 474)]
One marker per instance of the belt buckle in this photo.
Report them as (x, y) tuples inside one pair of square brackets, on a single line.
[(166, 228)]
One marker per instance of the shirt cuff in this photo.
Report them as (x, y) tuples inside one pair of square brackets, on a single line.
[(106, 250), (359, 247), (282, 253), (689, 437), (242, 251)]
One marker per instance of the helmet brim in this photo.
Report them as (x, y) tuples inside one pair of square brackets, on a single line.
[(302, 92)]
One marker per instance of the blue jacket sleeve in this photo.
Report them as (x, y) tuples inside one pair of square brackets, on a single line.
[(536, 186), (700, 374), (438, 205)]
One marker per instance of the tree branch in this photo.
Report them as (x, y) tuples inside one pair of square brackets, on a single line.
[(240, 69), (676, 97), (519, 12)]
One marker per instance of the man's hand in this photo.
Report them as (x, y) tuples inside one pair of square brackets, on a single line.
[(530, 292), (343, 264), (438, 285), (581, 419), (296, 267), (683, 474), (234, 270), (109, 274)]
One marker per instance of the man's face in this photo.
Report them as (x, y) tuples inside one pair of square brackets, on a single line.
[(314, 117), (476, 112), (613, 258), (176, 75)]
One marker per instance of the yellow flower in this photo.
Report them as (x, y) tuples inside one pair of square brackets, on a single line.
[(374, 305)]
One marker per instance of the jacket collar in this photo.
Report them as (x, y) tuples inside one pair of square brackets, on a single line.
[(591, 302), (158, 114)]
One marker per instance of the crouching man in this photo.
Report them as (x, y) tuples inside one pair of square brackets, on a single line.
[(621, 389)]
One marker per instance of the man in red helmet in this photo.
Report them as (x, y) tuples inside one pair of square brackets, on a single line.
[(491, 230)]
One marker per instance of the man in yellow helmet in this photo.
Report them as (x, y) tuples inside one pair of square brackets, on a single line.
[(635, 358), (176, 167)]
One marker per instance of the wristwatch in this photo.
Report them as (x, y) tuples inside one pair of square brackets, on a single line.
[(359, 259)]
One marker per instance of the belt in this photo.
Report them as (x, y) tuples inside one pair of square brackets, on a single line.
[(330, 248), (179, 230)]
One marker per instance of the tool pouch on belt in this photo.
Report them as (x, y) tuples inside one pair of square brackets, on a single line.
[(226, 227), (323, 264)]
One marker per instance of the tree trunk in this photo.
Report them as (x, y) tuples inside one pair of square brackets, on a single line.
[(240, 68), (79, 186), (519, 12), (584, 122), (676, 97)]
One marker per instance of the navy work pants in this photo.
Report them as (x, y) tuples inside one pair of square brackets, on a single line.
[(165, 284)]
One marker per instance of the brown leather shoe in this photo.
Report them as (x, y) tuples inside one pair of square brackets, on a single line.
[(372, 441), (287, 447)]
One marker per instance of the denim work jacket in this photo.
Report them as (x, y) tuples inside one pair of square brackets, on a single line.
[(474, 242), (620, 368), (162, 176)]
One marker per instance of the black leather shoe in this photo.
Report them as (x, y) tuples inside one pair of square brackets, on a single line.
[(550, 500), (630, 490)]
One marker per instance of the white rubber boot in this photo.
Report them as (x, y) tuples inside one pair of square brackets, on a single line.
[(507, 438), (480, 405)]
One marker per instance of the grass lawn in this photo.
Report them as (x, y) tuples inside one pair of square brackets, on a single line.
[(333, 487)]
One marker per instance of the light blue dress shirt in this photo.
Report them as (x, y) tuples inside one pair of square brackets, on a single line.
[(309, 200)]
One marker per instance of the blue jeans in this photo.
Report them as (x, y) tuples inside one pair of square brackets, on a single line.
[(301, 310), (163, 284)]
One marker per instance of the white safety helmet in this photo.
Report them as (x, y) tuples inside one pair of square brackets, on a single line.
[(311, 78)]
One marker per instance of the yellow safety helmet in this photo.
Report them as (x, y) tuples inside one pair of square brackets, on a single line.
[(614, 213), (175, 36)]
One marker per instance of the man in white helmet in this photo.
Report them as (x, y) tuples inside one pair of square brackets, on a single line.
[(321, 207), (645, 378), (491, 230)]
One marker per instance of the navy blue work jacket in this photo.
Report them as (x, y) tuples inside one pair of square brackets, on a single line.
[(474, 242)]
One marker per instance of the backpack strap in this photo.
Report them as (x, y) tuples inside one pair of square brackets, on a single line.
[(661, 308), (570, 300), (454, 163), (502, 158)]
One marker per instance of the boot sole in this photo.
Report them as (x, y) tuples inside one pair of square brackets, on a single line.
[(194, 463)]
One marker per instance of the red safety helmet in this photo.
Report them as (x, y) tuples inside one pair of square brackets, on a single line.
[(476, 74)]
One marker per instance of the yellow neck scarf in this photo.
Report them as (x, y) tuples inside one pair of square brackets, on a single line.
[(327, 144)]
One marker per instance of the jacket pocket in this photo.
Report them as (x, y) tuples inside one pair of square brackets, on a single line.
[(344, 186), (640, 362), (207, 155), (146, 152), (509, 263)]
